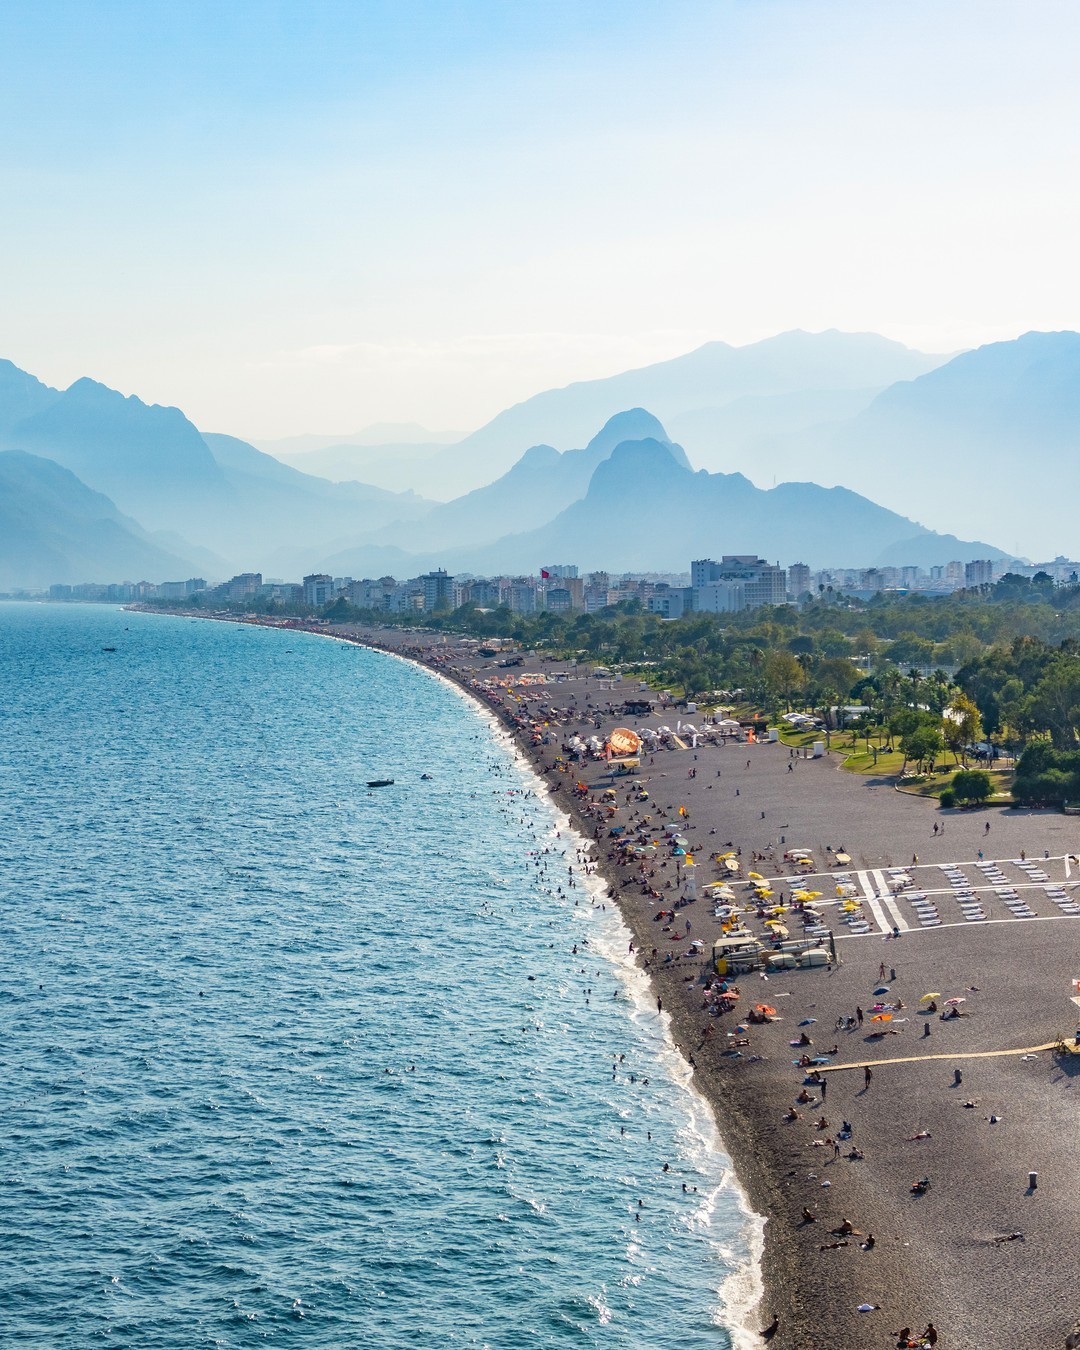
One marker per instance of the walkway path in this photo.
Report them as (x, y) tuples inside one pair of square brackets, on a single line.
[(918, 1059)]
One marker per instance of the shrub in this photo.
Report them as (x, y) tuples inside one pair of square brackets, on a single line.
[(972, 785), (948, 799)]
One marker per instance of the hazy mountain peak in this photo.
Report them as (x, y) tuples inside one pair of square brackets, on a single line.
[(634, 424), (538, 456), (637, 460), (21, 396)]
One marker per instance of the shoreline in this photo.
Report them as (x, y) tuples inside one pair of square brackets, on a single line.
[(945, 1256), (743, 1308)]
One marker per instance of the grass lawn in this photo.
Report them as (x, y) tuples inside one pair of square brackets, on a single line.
[(862, 761), (933, 787)]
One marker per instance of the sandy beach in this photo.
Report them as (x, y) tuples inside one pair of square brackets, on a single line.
[(983, 1256)]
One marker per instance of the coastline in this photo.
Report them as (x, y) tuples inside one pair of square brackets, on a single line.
[(946, 1256), (742, 1290)]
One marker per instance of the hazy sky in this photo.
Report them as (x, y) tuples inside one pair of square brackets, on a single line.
[(309, 216)]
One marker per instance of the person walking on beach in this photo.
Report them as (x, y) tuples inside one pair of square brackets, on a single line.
[(859, 1016), (868, 1073), (881, 971)]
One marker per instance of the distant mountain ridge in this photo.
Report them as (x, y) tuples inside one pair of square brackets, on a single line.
[(981, 445), (992, 437), (54, 530), (217, 492), (711, 376), (646, 509)]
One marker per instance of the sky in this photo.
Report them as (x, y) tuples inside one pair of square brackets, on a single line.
[(309, 217)]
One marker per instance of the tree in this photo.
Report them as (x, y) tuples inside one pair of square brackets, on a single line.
[(961, 726), (921, 744), (1055, 702), (782, 673)]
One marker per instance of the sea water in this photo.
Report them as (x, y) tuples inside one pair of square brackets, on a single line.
[(285, 1060)]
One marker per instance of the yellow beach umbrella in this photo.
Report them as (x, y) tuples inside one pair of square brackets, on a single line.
[(755, 876), (927, 997)]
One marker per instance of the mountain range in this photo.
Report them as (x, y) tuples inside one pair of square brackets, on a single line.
[(54, 529), (944, 443), (700, 385)]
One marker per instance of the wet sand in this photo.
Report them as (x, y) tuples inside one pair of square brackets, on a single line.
[(936, 1257)]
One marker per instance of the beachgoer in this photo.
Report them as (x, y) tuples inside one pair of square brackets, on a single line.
[(867, 1075)]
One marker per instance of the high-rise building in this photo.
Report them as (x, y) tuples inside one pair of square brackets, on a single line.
[(762, 583), (520, 596), (244, 586), (318, 589), (979, 572), (798, 576), (438, 590)]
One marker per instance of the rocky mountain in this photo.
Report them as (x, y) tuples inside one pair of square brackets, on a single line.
[(150, 460), (647, 510), (54, 529), (21, 396), (542, 483), (217, 492), (709, 378), (989, 442)]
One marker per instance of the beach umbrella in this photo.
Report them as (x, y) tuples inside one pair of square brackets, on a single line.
[(882, 989), (881, 1017), (805, 862), (927, 997), (808, 1021), (755, 876), (765, 1008), (952, 1002)]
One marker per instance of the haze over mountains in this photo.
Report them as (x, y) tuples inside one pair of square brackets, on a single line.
[(699, 386), (971, 445)]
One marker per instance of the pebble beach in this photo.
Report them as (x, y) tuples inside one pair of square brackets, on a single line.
[(975, 1106)]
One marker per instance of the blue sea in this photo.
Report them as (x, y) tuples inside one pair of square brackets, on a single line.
[(286, 1061)]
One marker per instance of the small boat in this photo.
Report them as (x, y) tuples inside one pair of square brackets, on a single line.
[(108, 649), (380, 782)]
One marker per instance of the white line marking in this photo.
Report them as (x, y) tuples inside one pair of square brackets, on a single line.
[(871, 899), (888, 902), (983, 923)]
